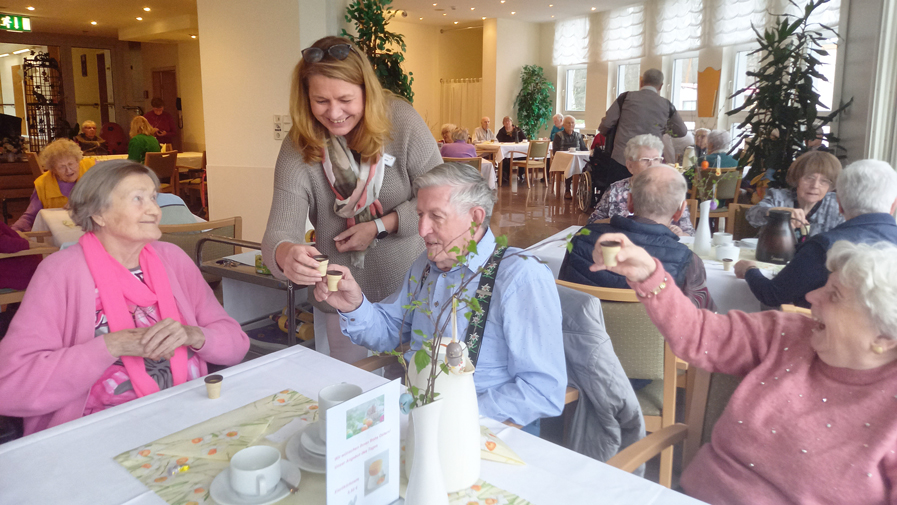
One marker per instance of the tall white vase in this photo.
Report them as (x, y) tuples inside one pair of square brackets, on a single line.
[(703, 245), (425, 484), (459, 437)]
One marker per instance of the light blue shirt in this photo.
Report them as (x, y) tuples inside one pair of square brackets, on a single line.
[(521, 374)]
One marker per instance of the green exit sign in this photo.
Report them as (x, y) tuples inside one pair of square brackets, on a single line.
[(12, 23)]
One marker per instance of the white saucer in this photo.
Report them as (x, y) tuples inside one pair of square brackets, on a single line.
[(298, 454), (312, 443), (223, 494)]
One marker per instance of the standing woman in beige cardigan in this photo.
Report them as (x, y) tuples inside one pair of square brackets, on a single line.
[(353, 152)]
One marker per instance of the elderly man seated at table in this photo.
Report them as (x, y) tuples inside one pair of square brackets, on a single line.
[(90, 143), (61, 159), (642, 152), (717, 144), (867, 195), (116, 317), (459, 148), (521, 373), (657, 196), (813, 419), (482, 133), (565, 140)]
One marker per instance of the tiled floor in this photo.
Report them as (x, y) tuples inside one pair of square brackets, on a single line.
[(528, 215)]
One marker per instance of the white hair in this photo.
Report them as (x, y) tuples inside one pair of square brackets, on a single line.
[(558, 115), (871, 271), (647, 141), (460, 134), (658, 192), (866, 187), (469, 188), (571, 117), (717, 140)]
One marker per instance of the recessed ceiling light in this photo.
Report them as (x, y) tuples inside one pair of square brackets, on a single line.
[(20, 51), (593, 8), (445, 14), (93, 22), (502, 1), (147, 9), (472, 8), (552, 16), (434, 5), (193, 36), (421, 19), (484, 18), (4, 55), (551, 5), (30, 8), (139, 19), (512, 13), (456, 22)]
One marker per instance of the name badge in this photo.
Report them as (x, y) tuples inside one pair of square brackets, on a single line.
[(388, 159)]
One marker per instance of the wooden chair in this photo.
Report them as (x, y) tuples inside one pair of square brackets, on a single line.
[(165, 167), (36, 169), (8, 296), (16, 184), (644, 355), (186, 236), (692, 205), (737, 224), (195, 182), (536, 155)]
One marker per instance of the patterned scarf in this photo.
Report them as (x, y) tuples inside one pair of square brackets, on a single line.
[(356, 185)]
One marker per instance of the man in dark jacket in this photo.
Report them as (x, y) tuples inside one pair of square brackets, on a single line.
[(657, 196), (867, 195)]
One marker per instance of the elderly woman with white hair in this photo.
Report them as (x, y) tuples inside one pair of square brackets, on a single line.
[(642, 152), (717, 144), (446, 132), (813, 419), (867, 195), (90, 143), (701, 141), (117, 316), (558, 120), (62, 161)]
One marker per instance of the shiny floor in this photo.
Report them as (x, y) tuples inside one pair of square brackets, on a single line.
[(528, 215)]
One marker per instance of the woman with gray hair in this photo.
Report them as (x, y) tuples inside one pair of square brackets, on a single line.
[(459, 148), (642, 152), (90, 143), (115, 317), (717, 145), (813, 419)]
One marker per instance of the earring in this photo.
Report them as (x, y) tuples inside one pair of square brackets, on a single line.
[(877, 349)]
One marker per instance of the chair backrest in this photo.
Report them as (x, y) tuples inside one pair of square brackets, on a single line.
[(474, 162), (163, 164), (116, 140), (692, 205), (722, 387), (737, 224), (537, 149), (34, 164), (186, 236), (729, 185)]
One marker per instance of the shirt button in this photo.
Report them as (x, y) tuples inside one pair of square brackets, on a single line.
[(437, 303), (443, 276)]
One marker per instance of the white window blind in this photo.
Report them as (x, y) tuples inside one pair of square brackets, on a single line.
[(678, 26), (828, 14), (624, 34), (731, 20), (571, 41)]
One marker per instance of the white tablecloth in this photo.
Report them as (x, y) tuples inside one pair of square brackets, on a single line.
[(72, 463), (728, 292), (185, 159), (569, 163), (59, 223), (503, 150)]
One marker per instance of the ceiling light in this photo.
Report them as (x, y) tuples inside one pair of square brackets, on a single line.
[(593, 8), (421, 19), (30, 8), (139, 19), (512, 13), (434, 5), (552, 16), (551, 5), (20, 51), (4, 55), (193, 36), (93, 23), (147, 9), (502, 1), (472, 8), (456, 22), (484, 18), (444, 14)]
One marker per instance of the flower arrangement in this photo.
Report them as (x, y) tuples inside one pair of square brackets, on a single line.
[(11, 145), (705, 180)]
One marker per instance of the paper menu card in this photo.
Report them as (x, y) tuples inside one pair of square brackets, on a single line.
[(493, 448), (363, 441)]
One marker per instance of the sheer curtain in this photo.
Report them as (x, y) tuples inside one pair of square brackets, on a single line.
[(730, 21), (624, 34), (462, 102), (678, 26), (571, 42)]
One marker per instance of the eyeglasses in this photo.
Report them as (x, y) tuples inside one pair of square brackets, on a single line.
[(337, 51), (816, 179), (651, 161)]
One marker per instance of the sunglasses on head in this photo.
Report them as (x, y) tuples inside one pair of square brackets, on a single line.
[(337, 51)]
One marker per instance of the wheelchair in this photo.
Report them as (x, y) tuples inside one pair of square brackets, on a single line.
[(598, 174)]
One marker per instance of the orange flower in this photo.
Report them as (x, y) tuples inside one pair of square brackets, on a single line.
[(191, 503), (285, 391), (475, 487), (364, 428), (181, 461), (199, 490), (313, 407), (161, 479), (144, 453), (197, 440), (147, 465), (490, 445), (212, 451), (281, 400), (232, 433), (473, 503), (491, 501)]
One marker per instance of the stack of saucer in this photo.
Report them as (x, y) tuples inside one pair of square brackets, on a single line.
[(308, 450)]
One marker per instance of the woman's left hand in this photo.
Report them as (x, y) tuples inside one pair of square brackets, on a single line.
[(356, 238), (162, 338)]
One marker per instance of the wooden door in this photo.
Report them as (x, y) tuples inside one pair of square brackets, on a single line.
[(165, 86)]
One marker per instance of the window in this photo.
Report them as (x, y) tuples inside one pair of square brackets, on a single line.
[(575, 89), (826, 89), (745, 61), (627, 77), (685, 84)]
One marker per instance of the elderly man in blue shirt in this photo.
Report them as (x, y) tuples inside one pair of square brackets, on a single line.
[(521, 373)]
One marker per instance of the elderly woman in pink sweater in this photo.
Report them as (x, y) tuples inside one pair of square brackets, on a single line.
[(117, 316), (814, 419)]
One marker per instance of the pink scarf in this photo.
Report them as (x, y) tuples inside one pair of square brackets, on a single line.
[(116, 286)]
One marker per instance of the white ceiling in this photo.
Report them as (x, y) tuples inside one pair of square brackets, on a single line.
[(533, 11)]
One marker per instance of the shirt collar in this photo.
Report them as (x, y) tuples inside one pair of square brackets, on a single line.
[(485, 248), (652, 88)]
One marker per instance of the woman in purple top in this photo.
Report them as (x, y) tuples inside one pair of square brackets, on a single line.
[(459, 148)]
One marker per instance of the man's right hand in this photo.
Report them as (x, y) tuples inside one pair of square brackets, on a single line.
[(297, 263), (349, 296)]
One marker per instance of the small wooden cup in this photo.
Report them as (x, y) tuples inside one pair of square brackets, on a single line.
[(323, 260), (333, 278), (609, 249), (213, 386), (727, 264)]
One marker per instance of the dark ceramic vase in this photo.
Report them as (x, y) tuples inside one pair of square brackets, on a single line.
[(776, 243)]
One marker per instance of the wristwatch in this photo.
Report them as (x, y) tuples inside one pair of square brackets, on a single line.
[(381, 230)]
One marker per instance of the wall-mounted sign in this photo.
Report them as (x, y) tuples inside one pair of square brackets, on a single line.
[(13, 23)]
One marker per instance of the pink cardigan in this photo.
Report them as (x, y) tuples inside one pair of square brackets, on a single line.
[(50, 358), (796, 430)]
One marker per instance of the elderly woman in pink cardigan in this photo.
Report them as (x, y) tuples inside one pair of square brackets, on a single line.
[(117, 316), (814, 419)]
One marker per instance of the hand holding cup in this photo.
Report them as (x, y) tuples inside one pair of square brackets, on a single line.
[(630, 260)]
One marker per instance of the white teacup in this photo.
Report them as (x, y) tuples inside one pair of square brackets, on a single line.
[(722, 238), (255, 471), (727, 252), (332, 396)]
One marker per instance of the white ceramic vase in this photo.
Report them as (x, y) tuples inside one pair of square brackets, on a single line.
[(459, 437), (703, 239), (425, 484)]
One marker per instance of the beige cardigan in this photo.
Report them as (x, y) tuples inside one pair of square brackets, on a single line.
[(301, 189)]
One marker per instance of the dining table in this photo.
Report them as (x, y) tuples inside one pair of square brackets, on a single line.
[(188, 160), (727, 291), (83, 461), (567, 164)]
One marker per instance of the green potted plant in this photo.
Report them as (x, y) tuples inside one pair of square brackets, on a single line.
[(533, 103), (371, 18), (782, 102)]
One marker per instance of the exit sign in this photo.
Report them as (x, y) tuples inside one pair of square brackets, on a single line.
[(12, 23)]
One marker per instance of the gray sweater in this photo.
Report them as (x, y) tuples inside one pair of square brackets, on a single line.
[(301, 189)]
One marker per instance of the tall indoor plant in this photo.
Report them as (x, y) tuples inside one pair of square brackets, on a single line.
[(533, 103), (371, 18), (782, 102)]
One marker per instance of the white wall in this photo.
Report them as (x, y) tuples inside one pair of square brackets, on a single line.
[(422, 60), (517, 45), (193, 136)]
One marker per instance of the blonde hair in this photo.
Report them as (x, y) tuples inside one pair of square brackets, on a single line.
[(371, 133), (88, 123), (814, 162), (58, 150), (140, 126), (447, 129)]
